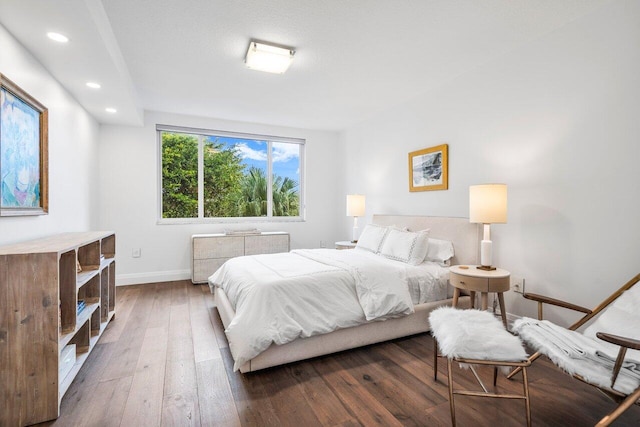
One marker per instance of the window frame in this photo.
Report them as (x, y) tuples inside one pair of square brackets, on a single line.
[(201, 134)]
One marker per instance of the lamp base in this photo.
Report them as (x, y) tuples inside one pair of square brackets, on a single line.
[(486, 267)]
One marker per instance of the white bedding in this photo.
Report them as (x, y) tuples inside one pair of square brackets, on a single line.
[(427, 282), (280, 297)]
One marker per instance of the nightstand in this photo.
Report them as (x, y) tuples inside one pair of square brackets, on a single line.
[(471, 279), (345, 245)]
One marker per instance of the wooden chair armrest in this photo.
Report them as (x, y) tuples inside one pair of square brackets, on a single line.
[(618, 340), (557, 302)]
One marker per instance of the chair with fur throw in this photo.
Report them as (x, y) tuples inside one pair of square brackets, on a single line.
[(477, 338), (605, 355)]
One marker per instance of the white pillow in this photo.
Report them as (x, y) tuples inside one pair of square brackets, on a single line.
[(371, 238), (405, 246), (440, 251)]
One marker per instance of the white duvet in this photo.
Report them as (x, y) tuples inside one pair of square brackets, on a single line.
[(280, 297)]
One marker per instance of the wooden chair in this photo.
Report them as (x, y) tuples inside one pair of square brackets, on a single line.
[(624, 400)]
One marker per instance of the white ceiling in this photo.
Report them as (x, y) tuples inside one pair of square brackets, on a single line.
[(354, 58)]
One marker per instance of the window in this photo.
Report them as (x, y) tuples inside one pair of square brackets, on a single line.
[(215, 174)]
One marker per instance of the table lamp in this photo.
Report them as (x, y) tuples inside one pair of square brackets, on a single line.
[(487, 205), (355, 208)]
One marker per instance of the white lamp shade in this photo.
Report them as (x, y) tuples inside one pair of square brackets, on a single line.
[(355, 205), (272, 59), (488, 203)]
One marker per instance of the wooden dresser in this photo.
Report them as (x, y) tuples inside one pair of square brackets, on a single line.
[(210, 251), (57, 295)]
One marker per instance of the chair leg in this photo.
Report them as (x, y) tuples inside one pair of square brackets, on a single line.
[(451, 404), (485, 393), (435, 359), (531, 359), (527, 403), (626, 403)]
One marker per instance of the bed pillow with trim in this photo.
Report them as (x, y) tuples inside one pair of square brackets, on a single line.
[(405, 246), (371, 238)]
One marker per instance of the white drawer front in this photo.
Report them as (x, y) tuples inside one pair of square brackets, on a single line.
[(269, 244), (218, 247), (203, 268)]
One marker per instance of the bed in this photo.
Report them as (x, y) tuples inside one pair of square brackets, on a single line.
[(403, 317)]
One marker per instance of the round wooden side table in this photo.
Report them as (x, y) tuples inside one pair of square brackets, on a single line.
[(475, 280)]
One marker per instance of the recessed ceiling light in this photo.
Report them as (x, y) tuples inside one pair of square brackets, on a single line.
[(94, 85), (58, 37), (269, 58), (110, 110)]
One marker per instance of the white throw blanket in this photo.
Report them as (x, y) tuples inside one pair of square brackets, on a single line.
[(281, 297), (576, 354)]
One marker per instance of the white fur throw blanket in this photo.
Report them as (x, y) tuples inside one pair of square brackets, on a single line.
[(474, 334), (589, 358)]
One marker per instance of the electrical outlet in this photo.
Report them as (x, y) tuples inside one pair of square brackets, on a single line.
[(517, 284), (136, 253), (323, 243)]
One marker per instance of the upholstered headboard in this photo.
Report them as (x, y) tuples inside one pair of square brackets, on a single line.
[(464, 235)]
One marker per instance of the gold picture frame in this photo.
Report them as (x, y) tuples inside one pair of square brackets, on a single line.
[(429, 169), (24, 153)]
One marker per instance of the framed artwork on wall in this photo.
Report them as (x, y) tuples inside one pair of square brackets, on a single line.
[(429, 169), (24, 155)]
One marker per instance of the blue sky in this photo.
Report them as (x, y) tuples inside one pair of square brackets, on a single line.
[(286, 157)]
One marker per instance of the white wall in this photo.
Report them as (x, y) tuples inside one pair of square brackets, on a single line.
[(129, 196), (558, 121), (73, 146)]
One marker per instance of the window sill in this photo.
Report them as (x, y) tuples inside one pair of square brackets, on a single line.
[(250, 220)]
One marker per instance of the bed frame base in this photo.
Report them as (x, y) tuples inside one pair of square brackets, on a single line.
[(339, 340)]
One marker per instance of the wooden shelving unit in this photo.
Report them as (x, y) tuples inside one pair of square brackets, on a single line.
[(40, 287)]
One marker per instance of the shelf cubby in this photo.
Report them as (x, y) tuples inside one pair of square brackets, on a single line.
[(95, 323), (68, 301), (108, 246), (90, 290), (84, 276), (81, 337), (89, 256), (104, 292), (112, 287)]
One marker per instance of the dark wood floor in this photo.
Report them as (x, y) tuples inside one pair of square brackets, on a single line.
[(164, 360)]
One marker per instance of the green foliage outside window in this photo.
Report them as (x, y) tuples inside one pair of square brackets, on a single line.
[(179, 176), (223, 176)]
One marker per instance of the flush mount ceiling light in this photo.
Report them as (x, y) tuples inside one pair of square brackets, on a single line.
[(269, 58), (94, 85), (58, 37), (110, 110)]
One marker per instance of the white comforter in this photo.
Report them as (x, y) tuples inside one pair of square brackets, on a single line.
[(280, 297)]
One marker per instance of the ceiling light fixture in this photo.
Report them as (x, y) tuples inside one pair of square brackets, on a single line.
[(269, 58), (110, 110), (60, 38), (94, 85)]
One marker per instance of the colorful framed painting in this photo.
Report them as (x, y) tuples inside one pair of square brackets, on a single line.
[(429, 169), (24, 153)]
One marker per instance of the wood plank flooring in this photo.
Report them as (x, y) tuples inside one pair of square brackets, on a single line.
[(164, 361)]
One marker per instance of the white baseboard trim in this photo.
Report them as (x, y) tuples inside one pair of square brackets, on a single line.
[(510, 317), (156, 276)]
